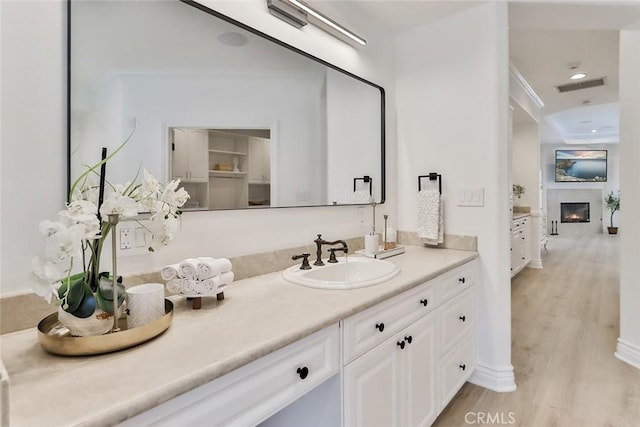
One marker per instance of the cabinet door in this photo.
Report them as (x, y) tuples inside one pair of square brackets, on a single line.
[(180, 154), (372, 388), (266, 160), (199, 155), (419, 372), (256, 170), (190, 160)]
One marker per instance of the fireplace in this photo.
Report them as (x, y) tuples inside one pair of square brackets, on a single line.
[(574, 212)]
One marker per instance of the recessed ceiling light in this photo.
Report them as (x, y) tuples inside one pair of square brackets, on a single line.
[(593, 131), (578, 76)]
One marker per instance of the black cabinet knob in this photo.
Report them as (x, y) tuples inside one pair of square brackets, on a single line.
[(303, 372), (461, 280), (408, 339), (463, 367), (463, 318), (424, 302), (401, 344), (380, 326)]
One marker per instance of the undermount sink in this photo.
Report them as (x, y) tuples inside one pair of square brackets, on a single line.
[(354, 272)]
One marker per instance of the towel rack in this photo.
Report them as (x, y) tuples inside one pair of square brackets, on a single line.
[(366, 179), (432, 177)]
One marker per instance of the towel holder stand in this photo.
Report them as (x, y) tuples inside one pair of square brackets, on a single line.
[(365, 179), (432, 177)]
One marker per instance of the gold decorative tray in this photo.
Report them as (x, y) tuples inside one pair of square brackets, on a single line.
[(56, 338)]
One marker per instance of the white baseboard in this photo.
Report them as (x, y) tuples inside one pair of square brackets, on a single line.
[(628, 353), (499, 380), (535, 263)]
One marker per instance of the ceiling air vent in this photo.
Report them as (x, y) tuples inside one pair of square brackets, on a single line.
[(569, 87)]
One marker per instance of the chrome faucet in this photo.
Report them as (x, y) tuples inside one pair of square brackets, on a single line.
[(320, 241)]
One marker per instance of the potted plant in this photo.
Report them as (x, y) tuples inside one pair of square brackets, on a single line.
[(613, 204), (518, 190), (70, 269)]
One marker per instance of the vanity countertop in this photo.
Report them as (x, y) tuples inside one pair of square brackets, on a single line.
[(258, 315), (519, 215)]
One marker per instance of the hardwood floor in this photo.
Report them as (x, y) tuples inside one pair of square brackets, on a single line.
[(564, 330)]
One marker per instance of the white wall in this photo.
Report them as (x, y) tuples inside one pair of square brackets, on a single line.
[(628, 348), (452, 98), (34, 147)]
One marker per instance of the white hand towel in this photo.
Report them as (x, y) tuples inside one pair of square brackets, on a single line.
[(169, 272), (174, 286), (188, 269), (361, 197), (208, 267), (430, 217)]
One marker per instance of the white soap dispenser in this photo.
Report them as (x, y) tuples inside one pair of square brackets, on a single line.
[(372, 240)]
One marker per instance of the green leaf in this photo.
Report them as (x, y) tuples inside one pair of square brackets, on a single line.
[(76, 292)]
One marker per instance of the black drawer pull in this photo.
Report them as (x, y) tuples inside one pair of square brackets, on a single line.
[(400, 344), (380, 326), (424, 302), (463, 318), (463, 367), (408, 339), (461, 280), (303, 372)]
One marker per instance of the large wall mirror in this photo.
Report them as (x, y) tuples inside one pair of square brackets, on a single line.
[(243, 120)]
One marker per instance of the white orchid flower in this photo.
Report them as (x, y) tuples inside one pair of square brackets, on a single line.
[(65, 244), (150, 185), (118, 204), (49, 228)]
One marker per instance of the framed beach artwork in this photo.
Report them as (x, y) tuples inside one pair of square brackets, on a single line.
[(581, 165)]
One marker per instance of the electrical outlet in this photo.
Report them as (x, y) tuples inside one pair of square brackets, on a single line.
[(125, 239), (133, 238)]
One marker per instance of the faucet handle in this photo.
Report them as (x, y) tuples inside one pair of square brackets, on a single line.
[(332, 255), (305, 261)]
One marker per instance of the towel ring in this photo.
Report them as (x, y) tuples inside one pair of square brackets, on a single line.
[(432, 177), (365, 179)]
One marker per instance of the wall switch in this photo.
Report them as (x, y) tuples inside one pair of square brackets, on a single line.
[(133, 238), (471, 197)]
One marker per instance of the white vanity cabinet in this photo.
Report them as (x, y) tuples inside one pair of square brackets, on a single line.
[(254, 392), (405, 374), (520, 244)]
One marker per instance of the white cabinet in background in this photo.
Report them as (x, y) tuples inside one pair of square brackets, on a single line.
[(190, 160), (259, 160), (520, 244)]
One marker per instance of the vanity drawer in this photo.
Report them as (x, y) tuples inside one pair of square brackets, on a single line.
[(369, 328), (255, 391), (457, 280), (455, 368), (457, 318)]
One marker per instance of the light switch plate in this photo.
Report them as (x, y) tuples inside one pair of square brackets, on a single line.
[(133, 237), (471, 197)]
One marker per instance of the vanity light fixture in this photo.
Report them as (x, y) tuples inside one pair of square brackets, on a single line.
[(298, 13), (290, 14)]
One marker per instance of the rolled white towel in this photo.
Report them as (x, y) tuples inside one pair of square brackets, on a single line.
[(209, 267), (188, 269), (206, 287), (188, 287), (223, 279), (170, 271), (174, 286)]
